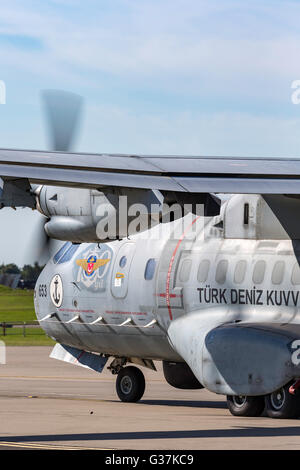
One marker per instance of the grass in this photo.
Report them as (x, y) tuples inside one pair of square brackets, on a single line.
[(16, 305), (36, 339)]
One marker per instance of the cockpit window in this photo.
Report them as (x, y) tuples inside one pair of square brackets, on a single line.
[(68, 254), (61, 252)]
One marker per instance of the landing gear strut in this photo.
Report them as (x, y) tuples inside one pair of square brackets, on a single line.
[(130, 383)]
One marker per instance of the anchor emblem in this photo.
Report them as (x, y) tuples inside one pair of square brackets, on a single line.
[(56, 293), (56, 290)]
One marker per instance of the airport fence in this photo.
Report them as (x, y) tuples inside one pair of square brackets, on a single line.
[(20, 328)]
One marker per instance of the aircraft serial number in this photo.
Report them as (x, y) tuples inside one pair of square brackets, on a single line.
[(42, 290)]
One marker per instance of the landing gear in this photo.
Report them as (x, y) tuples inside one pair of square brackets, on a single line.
[(241, 405), (130, 384), (282, 404)]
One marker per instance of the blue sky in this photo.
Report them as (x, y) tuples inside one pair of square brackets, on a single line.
[(195, 77)]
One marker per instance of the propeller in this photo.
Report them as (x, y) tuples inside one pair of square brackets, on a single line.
[(63, 112), (42, 245)]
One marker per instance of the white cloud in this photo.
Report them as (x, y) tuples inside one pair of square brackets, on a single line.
[(179, 45)]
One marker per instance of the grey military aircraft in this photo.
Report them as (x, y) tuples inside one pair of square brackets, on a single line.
[(214, 295)]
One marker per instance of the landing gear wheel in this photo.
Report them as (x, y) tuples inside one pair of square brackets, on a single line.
[(130, 384), (241, 405), (281, 404)]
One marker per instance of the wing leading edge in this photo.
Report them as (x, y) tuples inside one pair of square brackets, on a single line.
[(167, 173)]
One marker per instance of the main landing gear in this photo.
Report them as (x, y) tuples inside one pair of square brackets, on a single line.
[(284, 403), (241, 405), (130, 383)]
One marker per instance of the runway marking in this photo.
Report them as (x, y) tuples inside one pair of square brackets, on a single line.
[(32, 445), (51, 377), (67, 379), (6, 394)]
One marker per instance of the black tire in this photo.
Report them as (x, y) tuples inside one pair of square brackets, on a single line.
[(130, 384), (282, 405), (245, 406)]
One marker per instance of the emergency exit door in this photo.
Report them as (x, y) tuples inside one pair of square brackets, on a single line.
[(121, 270)]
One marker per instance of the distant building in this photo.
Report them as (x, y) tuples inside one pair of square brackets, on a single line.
[(23, 284), (10, 280)]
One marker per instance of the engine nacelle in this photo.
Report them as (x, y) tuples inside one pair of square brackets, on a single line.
[(84, 215), (179, 375)]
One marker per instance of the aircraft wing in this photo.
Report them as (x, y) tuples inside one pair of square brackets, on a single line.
[(188, 174)]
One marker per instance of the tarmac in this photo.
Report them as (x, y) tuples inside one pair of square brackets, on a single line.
[(48, 404)]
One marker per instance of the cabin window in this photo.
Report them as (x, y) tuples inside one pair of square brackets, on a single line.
[(278, 272), (203, 270), (221, 271), (185, 270), (259, 272), (240, 271), (122, 262), (150, 269), (296, 274)]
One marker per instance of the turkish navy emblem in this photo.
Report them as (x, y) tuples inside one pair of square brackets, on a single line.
[(56, 290)]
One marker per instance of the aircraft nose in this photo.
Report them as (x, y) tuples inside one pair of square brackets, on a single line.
[(48, 294)]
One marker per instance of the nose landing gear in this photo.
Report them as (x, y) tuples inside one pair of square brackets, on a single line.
[(130, 383)]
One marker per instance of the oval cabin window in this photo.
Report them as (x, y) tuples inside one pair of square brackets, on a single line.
[(240, 271), (185, 270), (278, 272), (221, 271), (149, 269), (203, 270), (296, 274), (259, 272)]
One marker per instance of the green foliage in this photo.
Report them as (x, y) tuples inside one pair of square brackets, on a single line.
[(31, 273), (9, 269)]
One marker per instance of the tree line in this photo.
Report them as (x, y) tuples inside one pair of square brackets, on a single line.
[(29, 273)]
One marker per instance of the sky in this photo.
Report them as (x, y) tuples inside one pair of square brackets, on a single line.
[(189, 77)]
